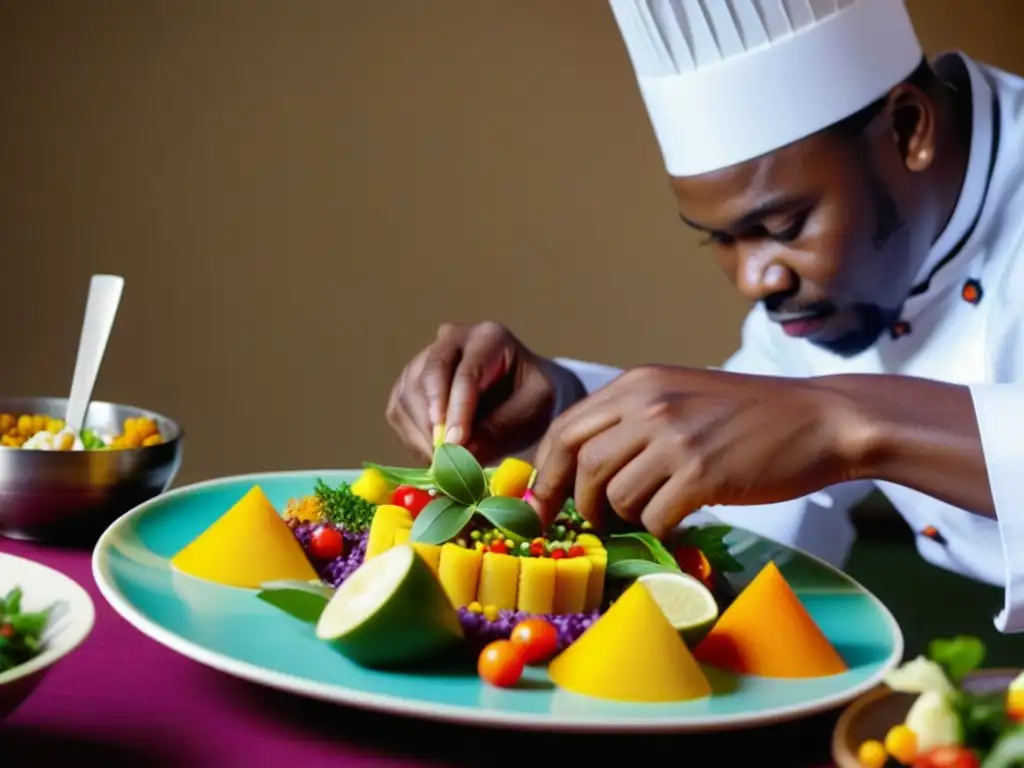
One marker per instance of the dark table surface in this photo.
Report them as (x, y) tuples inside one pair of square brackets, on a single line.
[(123, 697)]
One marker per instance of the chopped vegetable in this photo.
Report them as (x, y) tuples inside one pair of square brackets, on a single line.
[(501, 663), (933, 721), (872, 754), (901, 744), (373, 487), (919, 675), (1015, 699), (511, 478), (947, 757), (41, 432), (343, 507), (694, 563), (21, 633), (138, 433), (958, 656), (1008, 752), (92, 441), (710, 540), (537, 638), (412, 499), (326, 543)]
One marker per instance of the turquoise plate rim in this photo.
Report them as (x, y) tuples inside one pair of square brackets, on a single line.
[(435, 711)]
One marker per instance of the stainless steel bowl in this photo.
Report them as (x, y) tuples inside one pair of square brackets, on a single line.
[(74, 495)]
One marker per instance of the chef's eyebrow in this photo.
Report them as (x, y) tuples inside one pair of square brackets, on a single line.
[(753, 217)]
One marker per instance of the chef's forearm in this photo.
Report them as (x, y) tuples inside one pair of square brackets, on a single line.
[(917, 433)]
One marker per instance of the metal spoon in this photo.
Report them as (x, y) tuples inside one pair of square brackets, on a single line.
[(100, 311)]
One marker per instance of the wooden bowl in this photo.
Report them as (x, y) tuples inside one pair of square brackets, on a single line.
[(873, 714)]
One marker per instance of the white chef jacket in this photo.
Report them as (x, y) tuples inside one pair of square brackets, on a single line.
[(963, 324)]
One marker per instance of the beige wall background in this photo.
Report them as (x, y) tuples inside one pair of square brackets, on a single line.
[(299, 192)]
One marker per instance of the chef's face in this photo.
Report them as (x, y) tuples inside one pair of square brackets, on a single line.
[(828, 232)]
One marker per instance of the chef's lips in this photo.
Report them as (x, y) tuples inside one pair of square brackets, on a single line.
[(804, 321)]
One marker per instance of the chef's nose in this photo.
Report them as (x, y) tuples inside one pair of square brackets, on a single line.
[(760, 275)]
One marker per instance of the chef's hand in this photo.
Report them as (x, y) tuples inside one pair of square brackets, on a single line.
[(659, 443), (481, 383)]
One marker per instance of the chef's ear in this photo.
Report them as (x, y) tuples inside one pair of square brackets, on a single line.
[(912, 114)]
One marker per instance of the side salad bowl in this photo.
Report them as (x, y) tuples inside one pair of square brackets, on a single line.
[(69, 619), (941, 709), (75, 495)]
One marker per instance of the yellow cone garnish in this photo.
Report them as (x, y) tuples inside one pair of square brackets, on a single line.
[(631, 653), (248, 545)]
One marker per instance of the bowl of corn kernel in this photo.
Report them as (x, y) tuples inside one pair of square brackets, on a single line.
[(55, 484)]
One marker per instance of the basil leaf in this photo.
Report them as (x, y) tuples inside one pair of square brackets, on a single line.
[(645, 542), (458, 475), (513, 517), (440, 521), (634, 569), (417, 478), (710, 539), (958, 656), (625, 549), (312, 587), (304, 606)]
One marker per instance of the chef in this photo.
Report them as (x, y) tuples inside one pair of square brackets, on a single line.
[(870, 204)]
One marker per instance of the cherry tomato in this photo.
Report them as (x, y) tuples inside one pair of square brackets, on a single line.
[(501, 663), (576, 551), (693, 563), (537, 638), (947, 757), (327, 543), (557, 554), (412, 499), (499, 548)]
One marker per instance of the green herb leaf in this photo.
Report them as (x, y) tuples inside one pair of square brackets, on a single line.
[(22, 639), (983, 718), (313, 587), (643, 544), (710, 539), (304, 606), (1008, 751), (958, 656), (12, 602), (634, 569), (343, 507), (458, 475), (513, 517), (440, 521), (29, 623), (417, 478), (91, 441)]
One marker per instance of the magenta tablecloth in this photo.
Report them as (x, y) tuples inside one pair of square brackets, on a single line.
[(122, 697)]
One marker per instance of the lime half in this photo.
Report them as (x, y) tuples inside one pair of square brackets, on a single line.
[(688, 605), (391, 612)]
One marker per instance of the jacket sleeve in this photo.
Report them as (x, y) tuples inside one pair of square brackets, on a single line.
[(999, 409), (819, 524)]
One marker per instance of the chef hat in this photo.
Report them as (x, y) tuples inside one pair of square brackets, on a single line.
[(726, 81)]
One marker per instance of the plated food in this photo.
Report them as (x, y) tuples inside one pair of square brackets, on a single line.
[(408, 568), (46, 433), (21, 632), (950, 722), (44, 616)]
